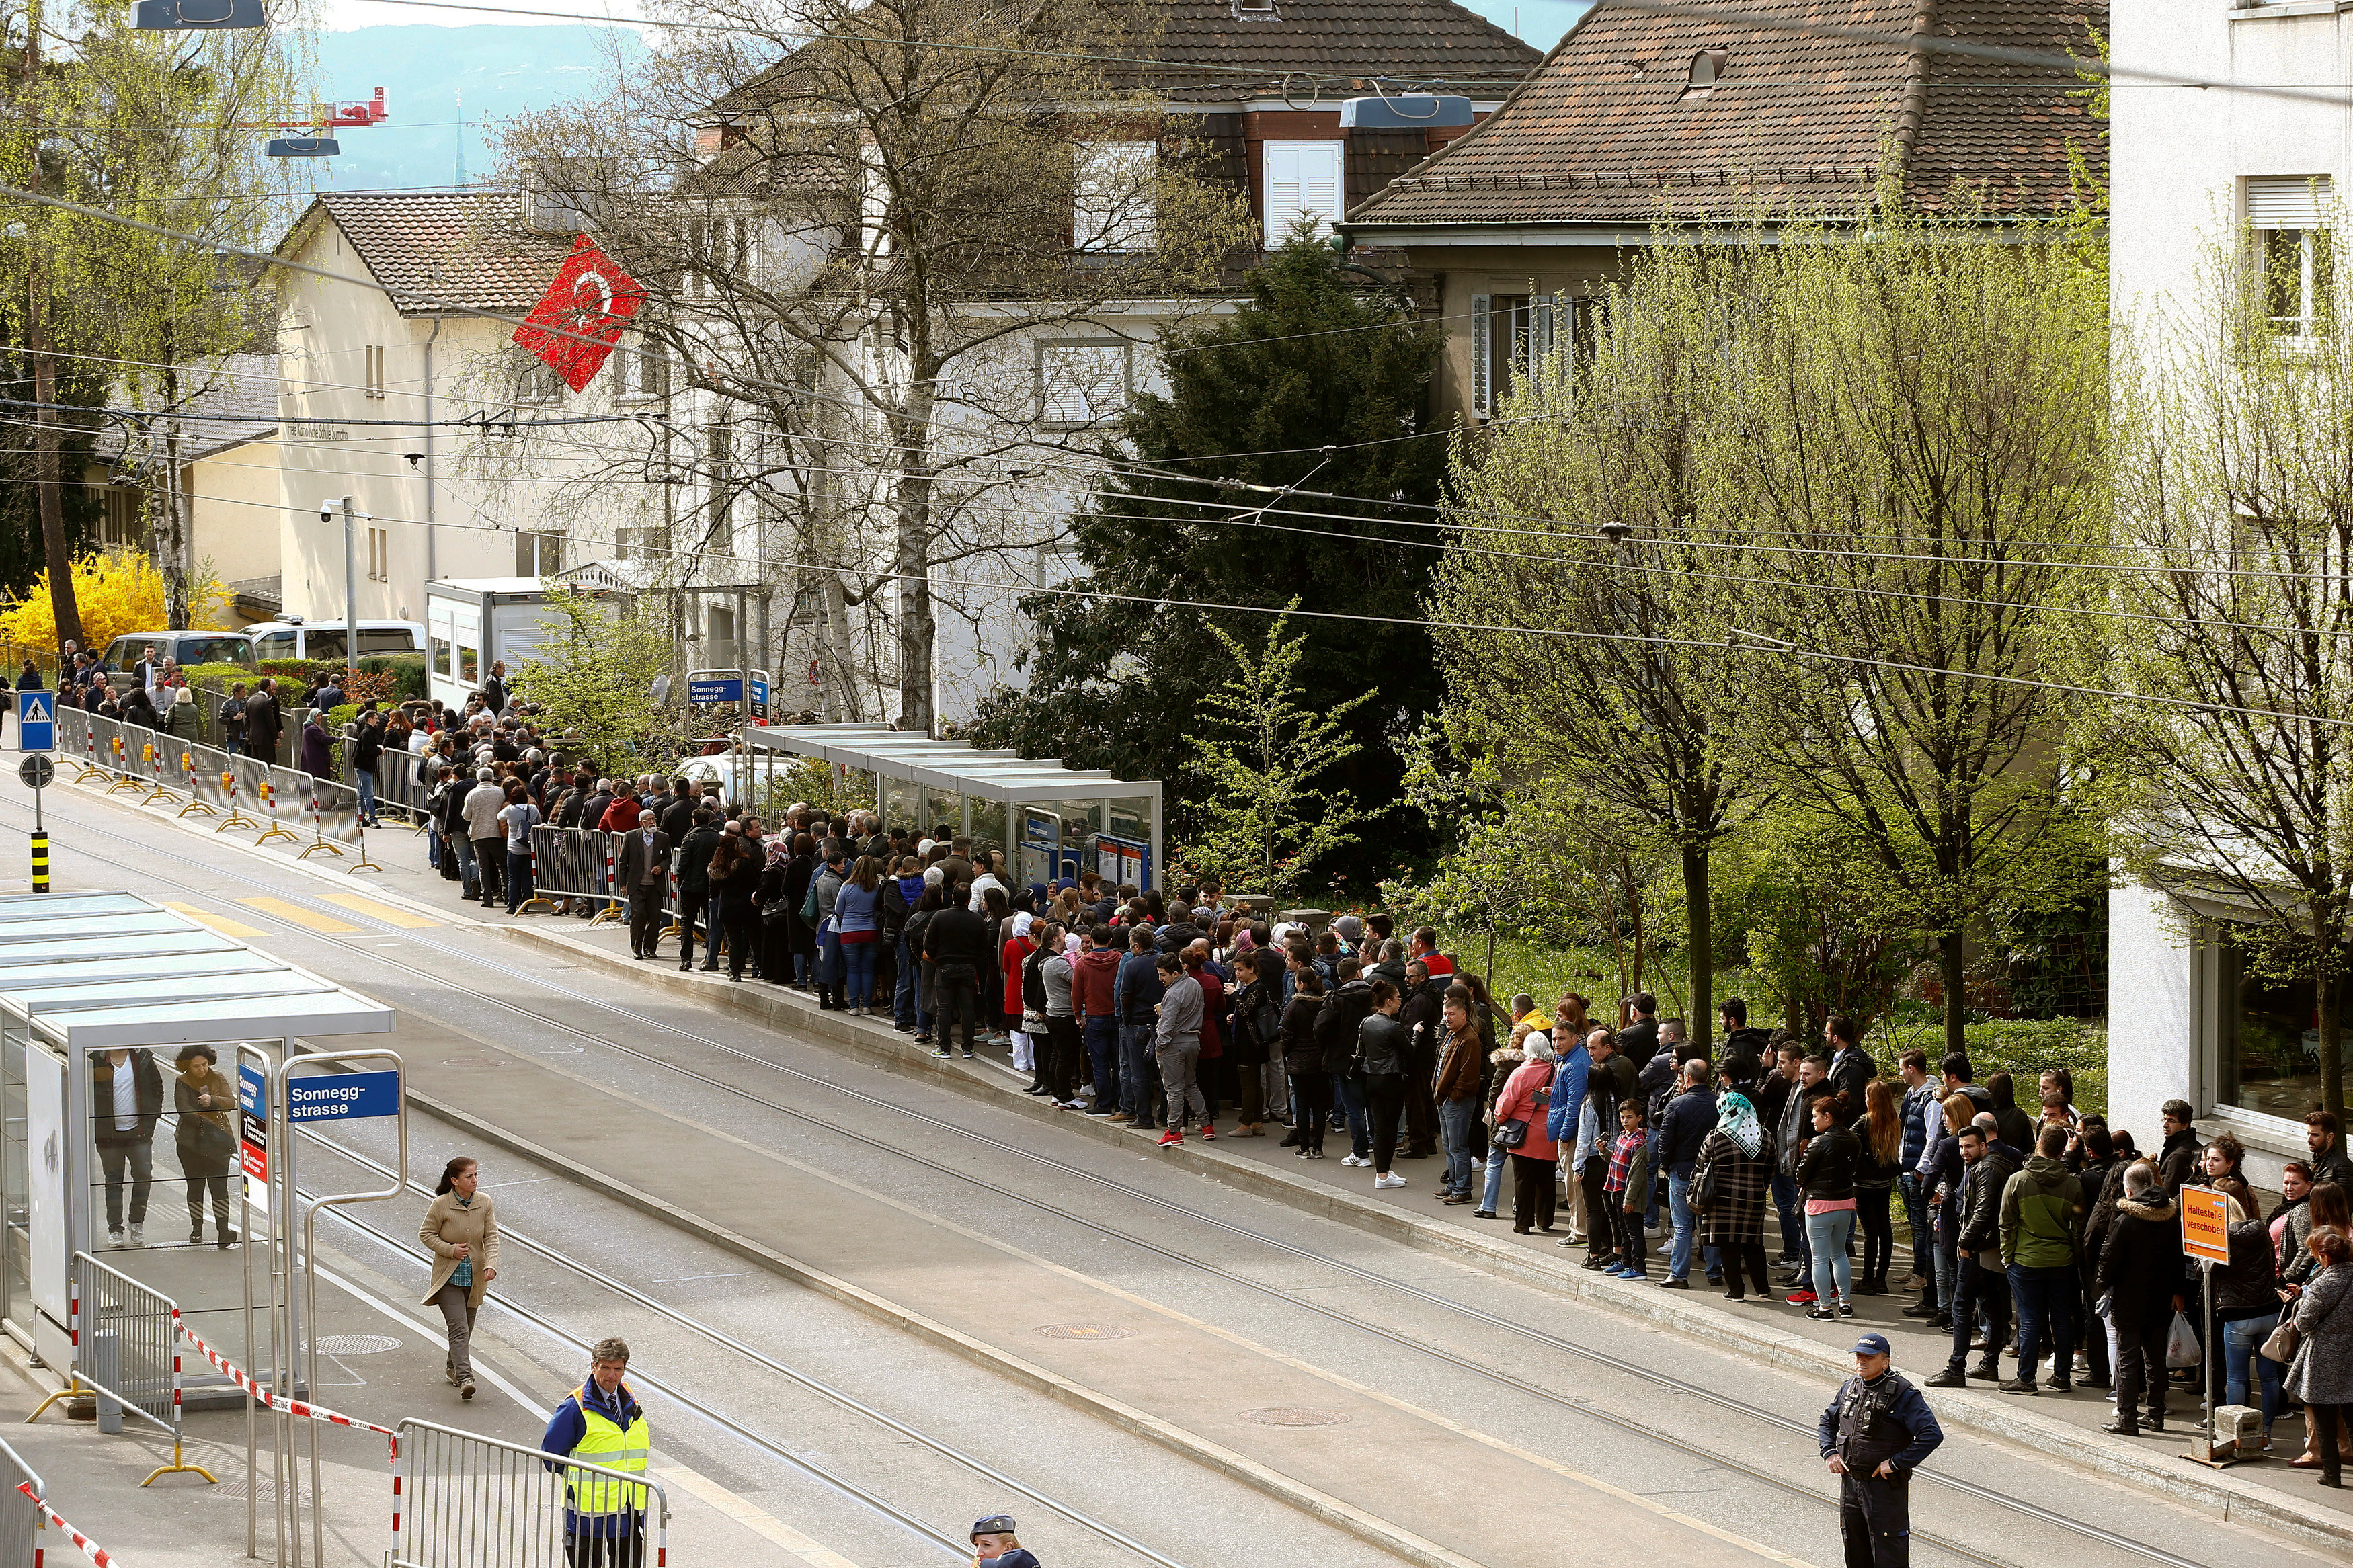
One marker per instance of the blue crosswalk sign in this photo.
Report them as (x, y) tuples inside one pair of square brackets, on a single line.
[(37, 721)]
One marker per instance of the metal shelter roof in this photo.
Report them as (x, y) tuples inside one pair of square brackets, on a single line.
[(101, 971), (956, 765)]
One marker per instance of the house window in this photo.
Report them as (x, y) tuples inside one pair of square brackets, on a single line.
[(719, 477), (379, 555), (645, 371), (2294, 248), (1706, 67), (1080, 383), (719, 249), (1113, 197), (1302, 180), (374, 371), (540, 384), (1512, 334), (539, 554)]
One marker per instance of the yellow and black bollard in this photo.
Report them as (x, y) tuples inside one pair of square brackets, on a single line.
[(40, 862)]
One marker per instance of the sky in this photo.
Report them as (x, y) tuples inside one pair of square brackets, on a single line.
[(448, 71)]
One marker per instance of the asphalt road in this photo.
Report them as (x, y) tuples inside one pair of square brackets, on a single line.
[(872, 1295)]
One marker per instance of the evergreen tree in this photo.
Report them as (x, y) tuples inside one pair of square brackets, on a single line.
[(1282, 392)]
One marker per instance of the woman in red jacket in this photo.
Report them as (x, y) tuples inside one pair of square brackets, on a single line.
[(1025, 1056)]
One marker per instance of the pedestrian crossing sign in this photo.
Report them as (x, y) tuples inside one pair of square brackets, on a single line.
[(37, 721)]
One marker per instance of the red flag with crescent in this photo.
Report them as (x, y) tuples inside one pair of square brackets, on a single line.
[(574, 326)]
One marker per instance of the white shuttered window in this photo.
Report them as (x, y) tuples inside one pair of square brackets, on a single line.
[(1080, 383), (2294, 250), (1301, 177)]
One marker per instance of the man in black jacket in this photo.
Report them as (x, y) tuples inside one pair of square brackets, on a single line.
[(1610, 1083), (678, 817), (1335, 1031), (694, 879), (2177, 1163), (263, 722), (956, 940), (126, 1099), (1851, 1069), (1422, 1016), (1638, 1042), (1739, 1039), (1982, 1281), (365, 754)]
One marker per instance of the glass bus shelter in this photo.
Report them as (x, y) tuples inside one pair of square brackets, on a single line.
[(84, 976), (1051, 821)]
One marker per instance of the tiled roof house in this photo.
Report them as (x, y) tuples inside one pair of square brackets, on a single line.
[(1640, 115)]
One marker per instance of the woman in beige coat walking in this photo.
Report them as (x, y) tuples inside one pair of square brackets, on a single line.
[(462, 1233)]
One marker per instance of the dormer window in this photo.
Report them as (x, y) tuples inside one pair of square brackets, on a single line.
[(1706, 67), (1253, 7)]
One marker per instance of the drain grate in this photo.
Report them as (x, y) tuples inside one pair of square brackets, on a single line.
[(233, 1488), (355, 1344), (1293, 1415), (1085, 1332)]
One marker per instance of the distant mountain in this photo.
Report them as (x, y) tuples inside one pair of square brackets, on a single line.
[(500, 71)]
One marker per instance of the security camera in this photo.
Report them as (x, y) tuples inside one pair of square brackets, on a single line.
[(328, 508)]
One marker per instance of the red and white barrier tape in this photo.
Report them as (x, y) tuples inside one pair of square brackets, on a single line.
[(89, 1549), (278, 1402)]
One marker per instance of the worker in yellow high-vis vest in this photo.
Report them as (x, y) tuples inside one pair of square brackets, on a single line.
[(600, 1422)]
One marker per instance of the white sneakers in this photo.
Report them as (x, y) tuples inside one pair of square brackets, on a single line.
[(114, 1237), (1352, 1160), (138, 1236), (1391, 1180)]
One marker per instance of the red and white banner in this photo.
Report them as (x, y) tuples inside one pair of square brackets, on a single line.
[(89, 1549), (576, 324), (238, 1375)]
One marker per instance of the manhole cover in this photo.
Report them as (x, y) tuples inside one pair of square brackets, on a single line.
[(233, 1488), (1086, 1331), (1292, 1416), (357, 1344)]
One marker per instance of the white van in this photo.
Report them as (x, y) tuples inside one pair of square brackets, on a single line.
[(294, 637)]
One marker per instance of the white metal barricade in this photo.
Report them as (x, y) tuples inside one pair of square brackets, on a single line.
[(463, 1500), (21, 1517)]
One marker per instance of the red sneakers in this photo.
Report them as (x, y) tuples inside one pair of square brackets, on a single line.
[(1803, 1299), (1208, 1133), (1171, 1136)]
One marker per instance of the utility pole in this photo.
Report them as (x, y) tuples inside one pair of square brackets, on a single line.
[(48, 499), (351, 599)]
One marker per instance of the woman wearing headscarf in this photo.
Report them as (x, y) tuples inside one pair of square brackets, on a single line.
[(205, 1143), (1733, 1178), (776, 910)]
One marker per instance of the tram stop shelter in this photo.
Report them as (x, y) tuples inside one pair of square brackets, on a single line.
[(81, 975), (1051, 821)]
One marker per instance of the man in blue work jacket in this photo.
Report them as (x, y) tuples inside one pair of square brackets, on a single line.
[(599, 1423), (1873, 1437)]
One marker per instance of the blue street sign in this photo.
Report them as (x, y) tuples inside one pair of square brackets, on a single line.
[(728, 690), (250, 1087), (343, 1096), (37, 721), (760, 691)]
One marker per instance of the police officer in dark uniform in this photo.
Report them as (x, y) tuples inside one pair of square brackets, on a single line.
[(1873, 1436)]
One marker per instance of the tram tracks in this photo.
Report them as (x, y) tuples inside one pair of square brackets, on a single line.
[(1655, 1378)]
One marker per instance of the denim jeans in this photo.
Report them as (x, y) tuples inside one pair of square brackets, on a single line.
[(2045, 1302), (902, 994), (1825, 1237), (1793, 1214), (140, 1156), (1915, 1193), (1101, 1032), (829, 958), (1135, 1064), (366, 782), (469, 875), (518, 876), (1973, 1289), (1678, 1210), (857, 961), (1457, 1121), (1651, 1207), (2242, 1338), (1353, 1104), (1495, 1167), (1948, 1268)]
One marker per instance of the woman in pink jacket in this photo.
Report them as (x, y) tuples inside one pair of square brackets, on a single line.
[(1526, 1099)]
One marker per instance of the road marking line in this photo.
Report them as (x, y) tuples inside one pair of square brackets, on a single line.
[(312, 919), (743, 1513), (376, 912), (220, 923)]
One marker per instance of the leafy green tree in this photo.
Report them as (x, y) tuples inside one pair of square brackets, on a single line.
[(1267, 817), (1314, 358), (596, 679)]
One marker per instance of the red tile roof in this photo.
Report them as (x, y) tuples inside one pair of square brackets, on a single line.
[(1610, 130), (465, 248)]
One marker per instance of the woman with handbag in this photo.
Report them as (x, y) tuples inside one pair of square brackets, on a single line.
[(2321, 1374), (462, 1233), (2246, 1308), (1522, 1113), (207, 1147), (1730, 1183)]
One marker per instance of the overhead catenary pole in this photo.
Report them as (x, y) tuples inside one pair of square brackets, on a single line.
[(351, 601)]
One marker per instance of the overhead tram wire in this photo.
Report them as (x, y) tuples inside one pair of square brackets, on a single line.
[(1439, 1300)]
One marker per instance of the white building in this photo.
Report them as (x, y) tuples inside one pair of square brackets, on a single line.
[(2190, 165)]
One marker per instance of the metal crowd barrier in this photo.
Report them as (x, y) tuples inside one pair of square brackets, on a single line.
[(21, 1519), (463, 1500), (126, 1350)]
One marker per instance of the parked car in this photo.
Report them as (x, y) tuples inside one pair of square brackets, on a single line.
[(188, 647), (296, 638)]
